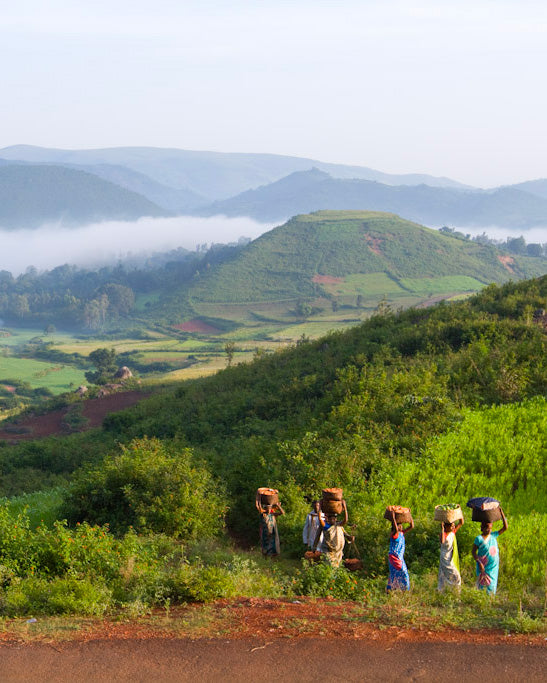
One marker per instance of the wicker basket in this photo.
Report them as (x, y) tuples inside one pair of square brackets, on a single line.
[(333, 494), (332, 507), (268, 496), (402, 515), (492, 515), (448, 515)]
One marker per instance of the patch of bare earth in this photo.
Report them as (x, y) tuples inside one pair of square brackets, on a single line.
[(327, 279), (507, 262), (197, 325), (374, 244), (95, 410)]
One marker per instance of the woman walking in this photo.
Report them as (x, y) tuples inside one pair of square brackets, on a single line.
[(449, 564), (486, 555), (269, 536), (398, 572)]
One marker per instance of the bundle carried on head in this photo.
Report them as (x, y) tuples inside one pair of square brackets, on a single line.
[(484, 509), (402, 514), (268, 496), (331, 502), (449, 512)]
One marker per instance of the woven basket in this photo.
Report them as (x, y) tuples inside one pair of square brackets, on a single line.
[(492, 515), (447, 515), (333, 494), (333, 507), (402, 515), (268, 496)]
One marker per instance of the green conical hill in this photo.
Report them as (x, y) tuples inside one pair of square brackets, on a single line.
[(337, 253)]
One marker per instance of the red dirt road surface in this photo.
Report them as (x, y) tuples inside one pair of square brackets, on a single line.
[(310, 659)]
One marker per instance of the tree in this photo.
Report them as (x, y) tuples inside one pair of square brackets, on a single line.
[(121, 299), (230, 348), (303, 309), (106, 362), (534, 249), (50, 329), (516, 245)]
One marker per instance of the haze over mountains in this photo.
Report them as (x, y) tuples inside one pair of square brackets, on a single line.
[(75, 187)]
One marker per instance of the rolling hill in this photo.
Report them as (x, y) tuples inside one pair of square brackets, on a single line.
[(33, 195), (213, 175), (343, 260), (314, 190)]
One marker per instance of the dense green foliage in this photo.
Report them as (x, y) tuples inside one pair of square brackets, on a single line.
[(150, 487), (417, 408)]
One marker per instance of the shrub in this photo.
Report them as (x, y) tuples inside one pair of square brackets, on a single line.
[(151, 486), (67, 595)]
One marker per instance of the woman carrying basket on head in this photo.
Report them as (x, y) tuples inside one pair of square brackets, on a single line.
[(398, 572), (269, 536), (487, 557), (449, 562)]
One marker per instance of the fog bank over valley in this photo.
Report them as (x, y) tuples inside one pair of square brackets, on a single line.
[(531, 235), (102, 243)]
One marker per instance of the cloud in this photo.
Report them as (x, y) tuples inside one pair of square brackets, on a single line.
[(101, 243)]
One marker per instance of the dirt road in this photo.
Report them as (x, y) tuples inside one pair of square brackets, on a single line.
[(291, 659)]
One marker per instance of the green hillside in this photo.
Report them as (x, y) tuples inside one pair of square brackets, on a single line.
[(31, 196), (361, 252), (418, 408)]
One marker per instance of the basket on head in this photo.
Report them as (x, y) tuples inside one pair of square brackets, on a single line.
[(491, 515), (333, 494), (444, 515), (402, 514), (268, 496), (332, 507)]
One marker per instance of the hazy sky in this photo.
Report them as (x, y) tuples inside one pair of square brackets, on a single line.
[(452, 88)]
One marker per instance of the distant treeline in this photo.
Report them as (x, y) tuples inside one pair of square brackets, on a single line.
[(513, 245), (92, 299)]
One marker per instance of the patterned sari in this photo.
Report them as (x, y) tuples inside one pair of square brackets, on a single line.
[(398, 573), (488, 558)]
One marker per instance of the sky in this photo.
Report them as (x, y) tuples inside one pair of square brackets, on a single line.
[(434, 86)]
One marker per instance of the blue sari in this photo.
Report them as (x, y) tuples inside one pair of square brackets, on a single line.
[(398, 572), (489, 557)]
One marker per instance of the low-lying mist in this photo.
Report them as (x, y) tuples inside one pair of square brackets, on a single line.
[(102, 243), (531, 235)]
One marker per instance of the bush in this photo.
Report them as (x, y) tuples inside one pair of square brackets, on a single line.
[(35, 595), (151, 486)]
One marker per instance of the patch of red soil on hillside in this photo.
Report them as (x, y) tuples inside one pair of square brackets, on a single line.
[(374, 244), (95, 410), (196, 325), (327, 279), (9, 388), (507, 262)]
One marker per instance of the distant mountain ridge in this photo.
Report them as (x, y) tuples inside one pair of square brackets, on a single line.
[(33, 195), (315, 190), (212, 175)]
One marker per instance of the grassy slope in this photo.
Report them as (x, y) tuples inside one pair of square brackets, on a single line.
[(281, 264)]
